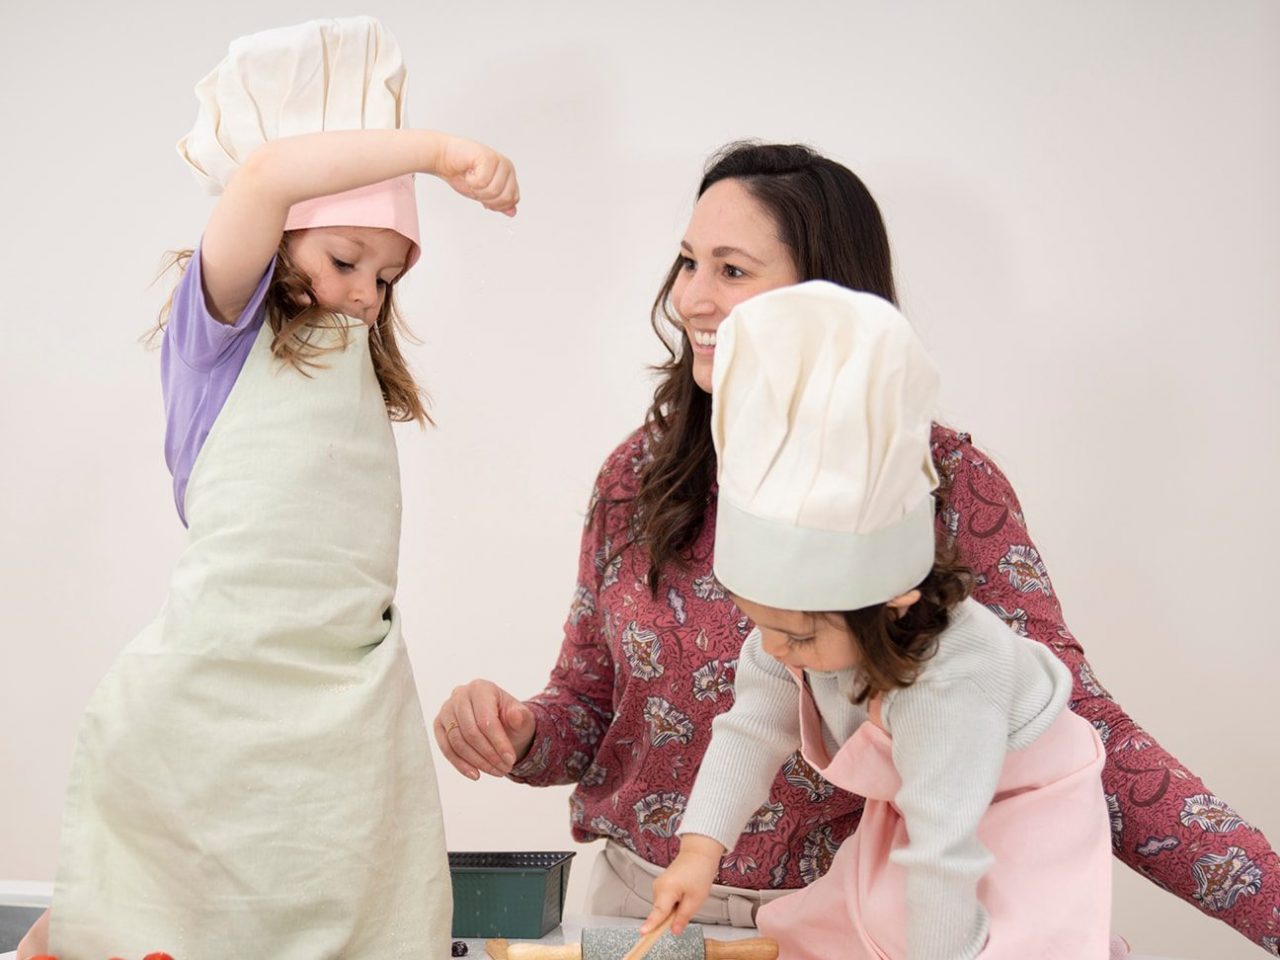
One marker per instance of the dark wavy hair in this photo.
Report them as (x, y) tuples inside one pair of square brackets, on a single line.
[(828, 220), (892, 649)]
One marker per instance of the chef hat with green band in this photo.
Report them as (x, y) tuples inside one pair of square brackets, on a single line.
[(822, 405), (337, 74)]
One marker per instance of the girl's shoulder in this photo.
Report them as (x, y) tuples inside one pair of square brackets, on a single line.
[(979, 649), (193, 334), (976, 644)]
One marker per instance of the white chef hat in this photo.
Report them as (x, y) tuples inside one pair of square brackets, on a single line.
[(338, 74), (822, 404)]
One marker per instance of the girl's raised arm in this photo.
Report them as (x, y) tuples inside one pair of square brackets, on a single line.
[(245, 228)]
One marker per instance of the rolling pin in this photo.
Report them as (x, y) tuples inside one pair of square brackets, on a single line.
[(612, 943)]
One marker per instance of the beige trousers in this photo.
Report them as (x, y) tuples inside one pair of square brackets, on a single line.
[(622, 886)]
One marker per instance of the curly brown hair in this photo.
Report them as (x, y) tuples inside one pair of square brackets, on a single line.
[(293, 314), (830, 223), (893, 648)]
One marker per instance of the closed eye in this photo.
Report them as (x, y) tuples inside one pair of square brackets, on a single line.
[(342, 265)]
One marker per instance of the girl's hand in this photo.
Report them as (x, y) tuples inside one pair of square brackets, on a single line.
[(683, 886), (481, 173), (482, 727), (36, 942)]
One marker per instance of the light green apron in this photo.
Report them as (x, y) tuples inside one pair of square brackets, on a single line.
[(253, 776)]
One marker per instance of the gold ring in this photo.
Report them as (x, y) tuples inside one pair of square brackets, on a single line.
[(450, 726)]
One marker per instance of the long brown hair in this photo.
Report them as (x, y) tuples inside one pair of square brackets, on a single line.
[(830, 223), (294, 314), (892, 649)]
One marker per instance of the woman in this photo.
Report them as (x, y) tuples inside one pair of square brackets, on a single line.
[(651, 641)]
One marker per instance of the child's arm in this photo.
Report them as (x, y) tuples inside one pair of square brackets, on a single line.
[(748, 744), (248, 221), (36, 942), (949, 745), (683, 887)]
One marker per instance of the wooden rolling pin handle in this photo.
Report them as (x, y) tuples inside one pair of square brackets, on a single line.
[(534, 951), (758, 948)]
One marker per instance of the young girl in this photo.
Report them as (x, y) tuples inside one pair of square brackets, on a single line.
[(253, 776), (985, 831)]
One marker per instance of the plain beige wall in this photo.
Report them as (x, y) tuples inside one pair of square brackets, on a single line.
[(1083, 203)]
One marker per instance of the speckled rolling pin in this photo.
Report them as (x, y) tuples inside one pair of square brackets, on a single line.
[(612, 943)]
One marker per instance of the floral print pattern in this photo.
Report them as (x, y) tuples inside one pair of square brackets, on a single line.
[(608, 564), (605, 827), (666, 723), (797, 772), (1024, 569), (1015, 619), (1103, 728), (642, 647), (584, 604), (711, 680), (778, 875), (1222, 879), (737, 863), (1089, 683), (660, 813), (707, 587), (1157, 845), (676, 602), (1211, 814), (819, 850), (764, 819)]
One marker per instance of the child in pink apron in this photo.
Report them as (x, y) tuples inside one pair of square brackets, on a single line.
[(985, 832), (253, 778)]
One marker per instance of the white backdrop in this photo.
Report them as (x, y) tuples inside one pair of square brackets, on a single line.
[(1083, 204)]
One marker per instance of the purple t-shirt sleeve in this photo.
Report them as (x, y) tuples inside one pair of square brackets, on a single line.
[(200, 360)]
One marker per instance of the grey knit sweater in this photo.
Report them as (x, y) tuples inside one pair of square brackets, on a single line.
[(985, 692)]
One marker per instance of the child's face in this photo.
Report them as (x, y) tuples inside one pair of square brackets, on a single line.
[(350, 268), (807, 641)]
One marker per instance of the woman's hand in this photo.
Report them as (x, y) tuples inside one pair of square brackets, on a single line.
[(683, 886), (36, 942), (480, 173), (482, 727)]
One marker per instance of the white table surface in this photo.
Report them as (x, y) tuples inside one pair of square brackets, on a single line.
[(571, 932)]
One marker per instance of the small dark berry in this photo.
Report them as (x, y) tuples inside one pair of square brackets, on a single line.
[(459, 949)]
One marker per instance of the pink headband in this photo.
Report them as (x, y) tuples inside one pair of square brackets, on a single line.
[(391, 204)]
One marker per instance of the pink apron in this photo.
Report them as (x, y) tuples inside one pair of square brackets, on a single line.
[(1048, 893)]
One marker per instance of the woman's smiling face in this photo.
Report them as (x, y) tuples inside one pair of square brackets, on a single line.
[(730, 252)]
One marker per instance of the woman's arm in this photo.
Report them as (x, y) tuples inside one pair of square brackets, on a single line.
[(246, 225), (1166, 824)]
